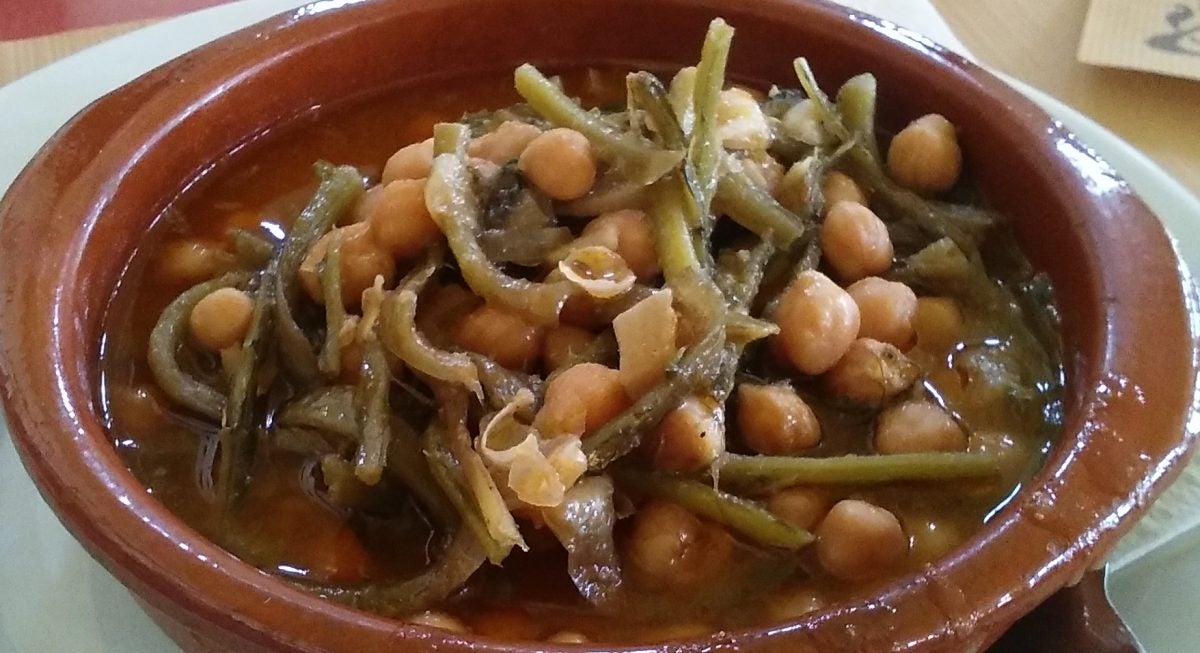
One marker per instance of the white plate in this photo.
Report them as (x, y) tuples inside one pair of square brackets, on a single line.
[(54, 597)]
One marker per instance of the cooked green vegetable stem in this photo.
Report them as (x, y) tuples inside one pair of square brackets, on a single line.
[(638, 160), (399, 333), (753, 207), (339, 188), (623, 433), (330, 360), (455, 209), (742, 516), (170, 333), (761, 474), (705, 149), (239, 421), (373, 386)]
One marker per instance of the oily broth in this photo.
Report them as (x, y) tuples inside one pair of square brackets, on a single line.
[(287, 528)]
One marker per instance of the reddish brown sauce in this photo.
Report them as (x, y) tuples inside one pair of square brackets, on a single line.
[(284, 527)]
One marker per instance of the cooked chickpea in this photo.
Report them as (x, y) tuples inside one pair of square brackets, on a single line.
[(855, 241), (567, 637), (931, 538), (560, 163), (669, 546), (817, 322), (839, 187), (871, 372), (442, 620), (221, 318), (361, 261), (690, 437), (441, 309), (399, 221), (581, 399), (802, 506), (675, 631), (925, 155), (505, 143), (502, 335), (918, 426), (774, 420), (859, 540), (741, 124), (634, 239), (138, 410), (938, 323), (887, 309), (409, 162), (793, 603), (511, 624), (188, 262), (365, 204), (562, 342)]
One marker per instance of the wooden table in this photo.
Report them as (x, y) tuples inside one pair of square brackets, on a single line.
[(1032, 40)]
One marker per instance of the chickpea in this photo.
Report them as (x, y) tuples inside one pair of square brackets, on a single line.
[(741, 124), (938, 323), (361, 261), (887, 309), (366, 204), (931, 538), (511, 624), (400, 223), (859, 540), (690, 437), (774, 420), (221, 318), (793, 602), (568, 637), (138, 410), (925, 155), (839, 187), (634, 239), (855, 241), (918, 426), (870, 373), (581, 399), (562, 342), (505, 143), (440, 309), (187, 262), (502, 335), (560, 163), (801, 506), (441, 620), (817, 322), (409, 162), (669, 546), (675, 631)]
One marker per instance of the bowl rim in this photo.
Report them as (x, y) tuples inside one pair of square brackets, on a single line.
[(153, 565)]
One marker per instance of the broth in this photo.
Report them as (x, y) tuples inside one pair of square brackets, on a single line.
[(287, 525)]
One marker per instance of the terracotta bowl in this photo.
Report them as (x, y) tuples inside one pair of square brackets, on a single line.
[(71, 221)]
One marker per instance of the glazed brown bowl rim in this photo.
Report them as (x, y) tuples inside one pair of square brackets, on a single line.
[(117, 537)]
